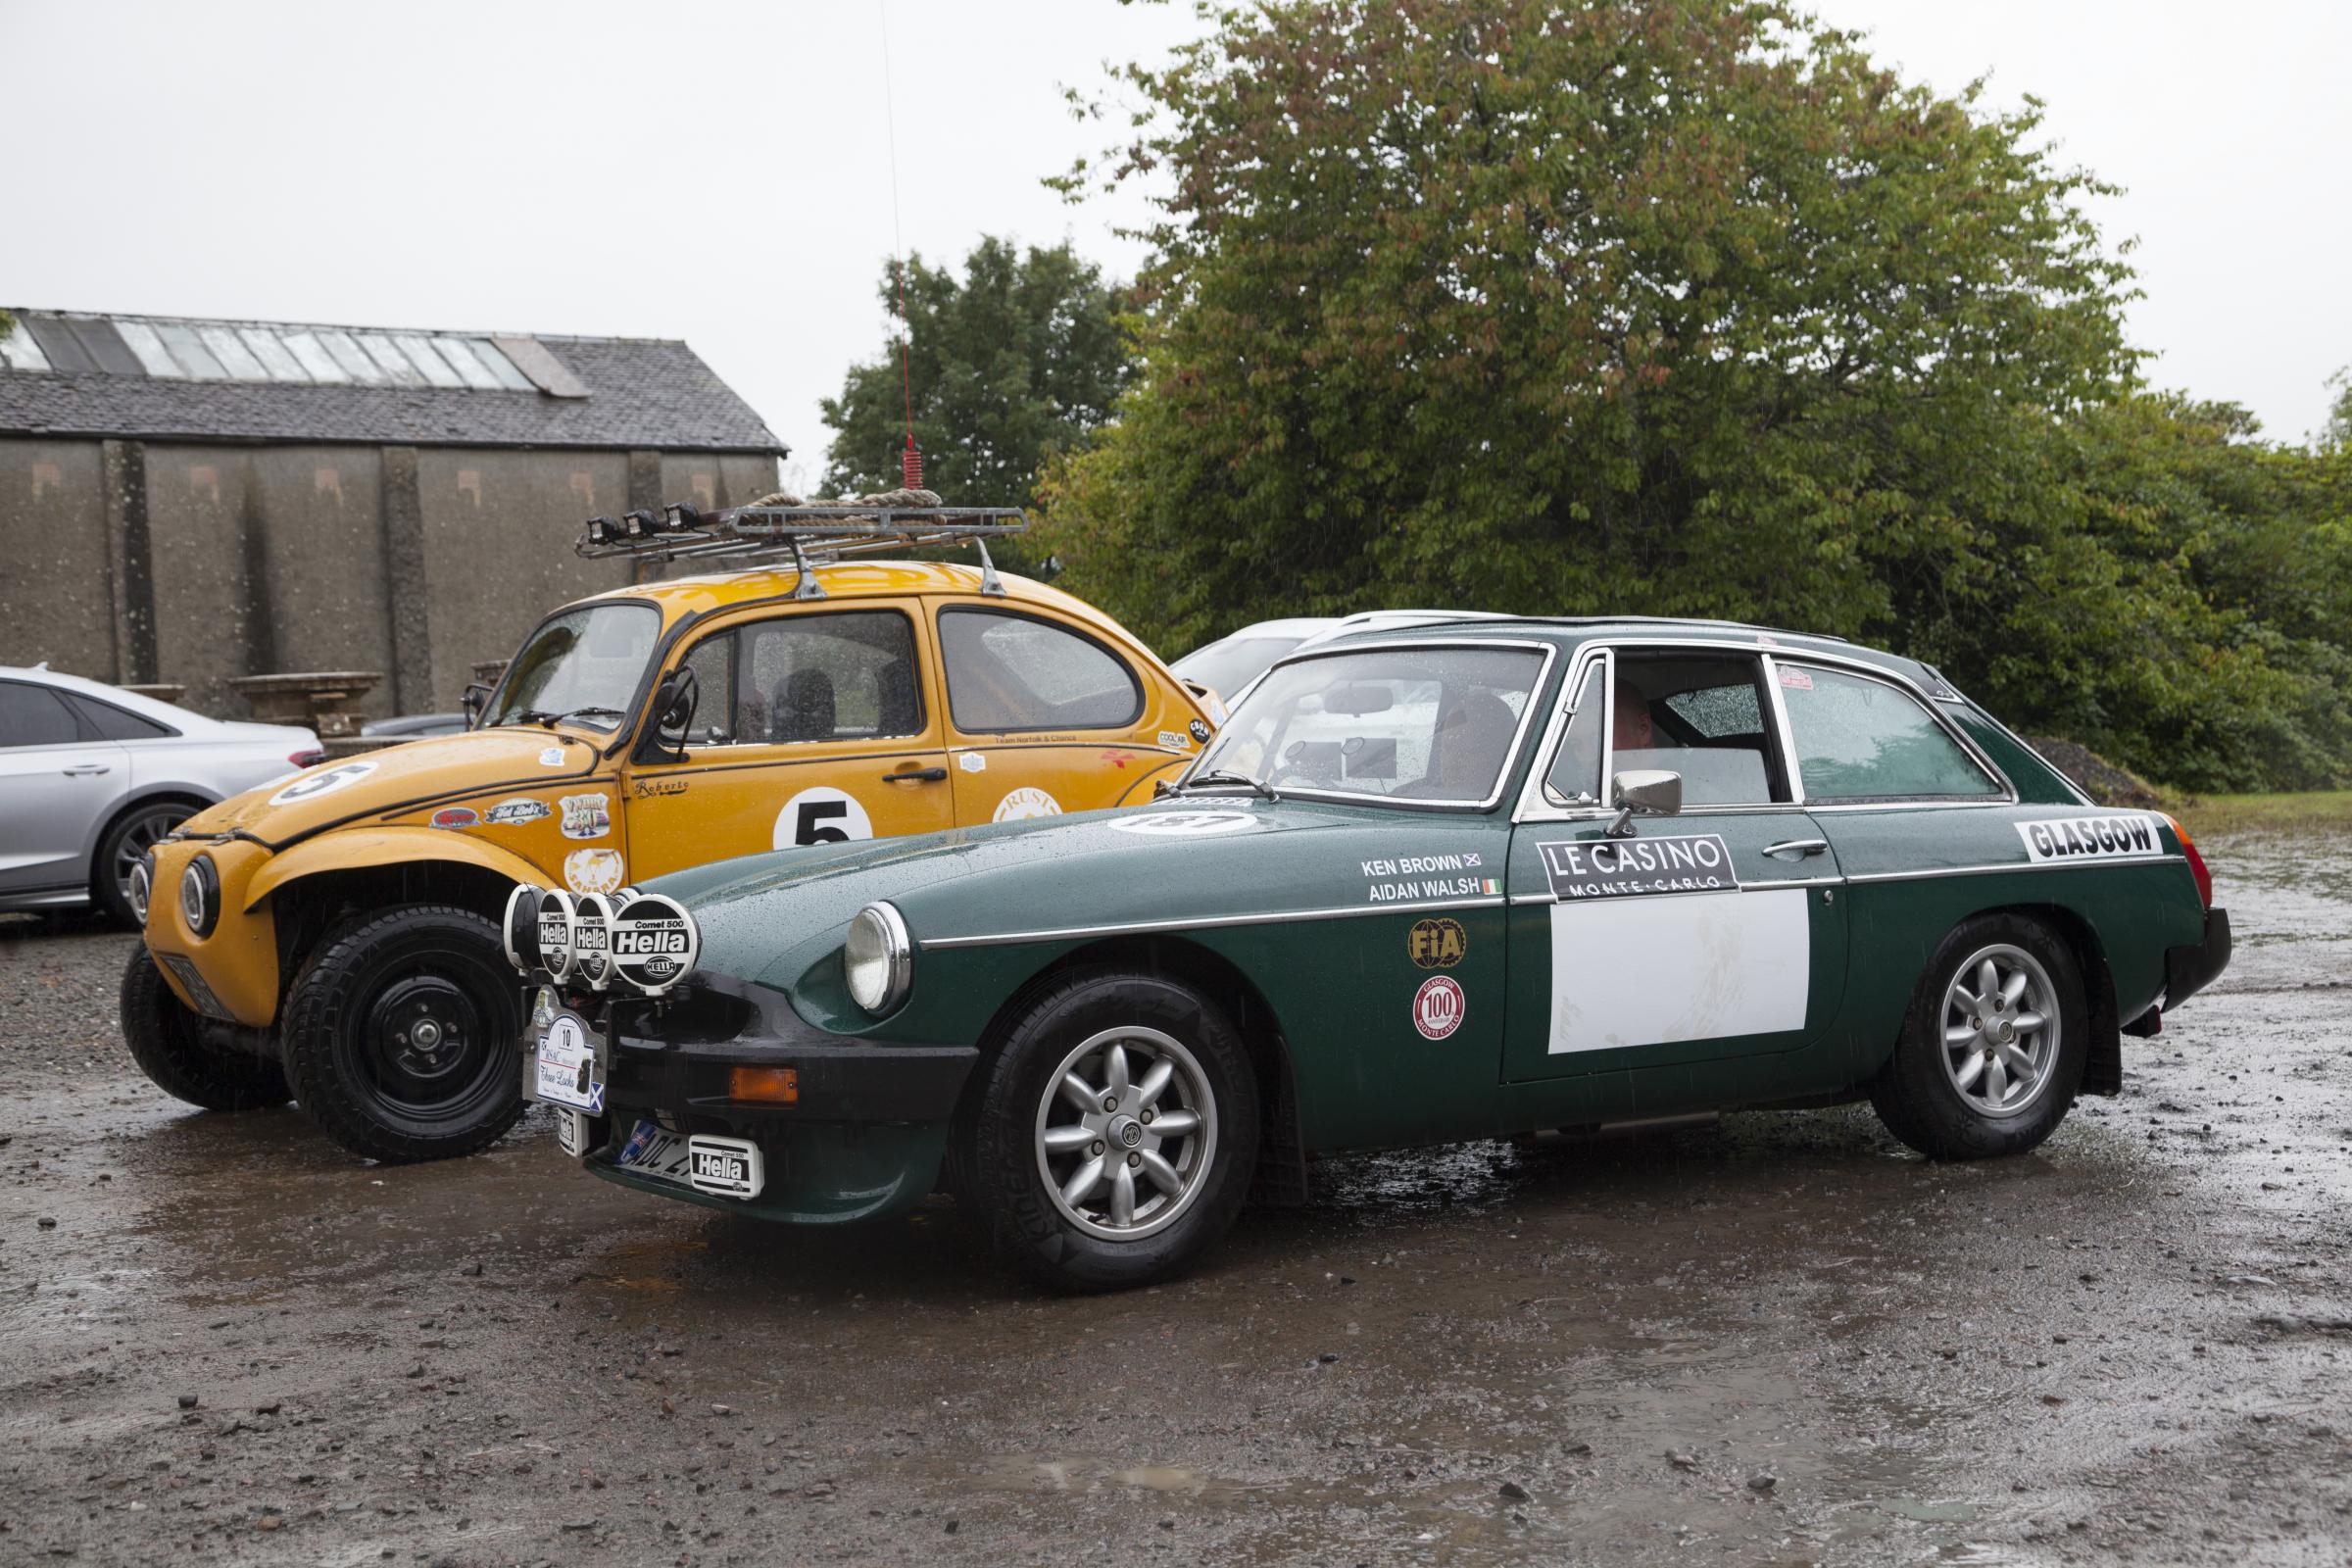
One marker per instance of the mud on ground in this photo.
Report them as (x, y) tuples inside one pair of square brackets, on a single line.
[(1781, 1339)]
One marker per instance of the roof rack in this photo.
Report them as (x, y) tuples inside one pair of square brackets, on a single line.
[(805, 535)]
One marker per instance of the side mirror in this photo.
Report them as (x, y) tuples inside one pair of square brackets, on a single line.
[(673, 709), (476, 698), (1642, 792)]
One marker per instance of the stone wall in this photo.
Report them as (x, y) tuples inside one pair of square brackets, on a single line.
[(135, 561)]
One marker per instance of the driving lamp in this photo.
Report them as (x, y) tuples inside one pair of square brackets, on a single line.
[(142, 886), (200, 895), (877, 958)]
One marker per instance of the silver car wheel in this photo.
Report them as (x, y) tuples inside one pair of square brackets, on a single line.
[(2000, 1030), (1126, 1132)]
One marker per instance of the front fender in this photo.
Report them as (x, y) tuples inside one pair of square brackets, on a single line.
[(387, 845)]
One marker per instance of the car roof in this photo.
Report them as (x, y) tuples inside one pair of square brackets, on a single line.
[(850, 580), (1570, 632), (132, 702)]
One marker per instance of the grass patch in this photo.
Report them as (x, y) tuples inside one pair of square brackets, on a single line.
[(2269, 813)]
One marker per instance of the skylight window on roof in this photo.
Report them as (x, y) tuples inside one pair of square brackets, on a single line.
[(433, 367), (19, 351), (106, 347), (281, 366), (144, 342), (314, 360), (390, 360), (233, 354), (470, 370), (509, 377), (352, 359), (189, 352)]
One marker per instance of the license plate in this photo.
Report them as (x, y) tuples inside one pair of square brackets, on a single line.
[(729, 1167), (565, 1068)]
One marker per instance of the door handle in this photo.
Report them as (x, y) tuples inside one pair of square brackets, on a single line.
[(927, 775), (1796, 849), (87, 769)]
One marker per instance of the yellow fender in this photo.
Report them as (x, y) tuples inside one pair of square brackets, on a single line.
[(349, 852)]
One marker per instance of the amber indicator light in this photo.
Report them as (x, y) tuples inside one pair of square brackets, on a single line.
[(774, 1086)]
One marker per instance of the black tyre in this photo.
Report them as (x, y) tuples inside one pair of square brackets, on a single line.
[(123, 847), (400, 1034), (166, 1041), (1993, 1045), (1111, 1139)]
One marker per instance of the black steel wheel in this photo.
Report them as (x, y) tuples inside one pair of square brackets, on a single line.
[(400, 1034), (166, 1041)]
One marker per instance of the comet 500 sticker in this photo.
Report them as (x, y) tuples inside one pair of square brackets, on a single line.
[(326, 783), (1608, 868), (2090, 838)]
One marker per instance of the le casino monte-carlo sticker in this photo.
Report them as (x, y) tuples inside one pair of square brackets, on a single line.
[(1614, 869)]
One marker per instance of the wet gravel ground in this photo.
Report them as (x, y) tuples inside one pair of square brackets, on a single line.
[(1780, 1340)]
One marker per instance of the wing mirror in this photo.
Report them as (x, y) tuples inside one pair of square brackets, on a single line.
[(673, 709), (1642, 792), (476, 698)]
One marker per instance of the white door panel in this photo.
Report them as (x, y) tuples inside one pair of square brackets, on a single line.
[(1631, 971)]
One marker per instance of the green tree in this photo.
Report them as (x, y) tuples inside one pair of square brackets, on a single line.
[(1007, 364), (2336, 435)]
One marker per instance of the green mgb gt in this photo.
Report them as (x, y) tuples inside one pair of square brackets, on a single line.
[(1425, 885)]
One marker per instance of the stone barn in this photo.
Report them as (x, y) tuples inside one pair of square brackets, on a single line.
[(189, 501)]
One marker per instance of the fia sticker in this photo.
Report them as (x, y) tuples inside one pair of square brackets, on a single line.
[(1436, 944), (1200, 730), (1797, 680), (1439, 1007), (1026, 802), (1183, 824), (456, 816), (2090, 838), (822, 815), (586, 816), (553, 756), (312, 785), (591, 870), (516, 812), (972, 762)]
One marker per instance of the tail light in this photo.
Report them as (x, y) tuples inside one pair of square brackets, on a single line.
[(310, 759), (2196, 862)]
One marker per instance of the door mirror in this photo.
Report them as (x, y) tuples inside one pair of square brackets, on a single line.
[(476, 698), (673, 709), (1647, 790), (1642, 792)]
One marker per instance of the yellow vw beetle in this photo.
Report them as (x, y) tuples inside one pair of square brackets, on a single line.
[(336, 938)]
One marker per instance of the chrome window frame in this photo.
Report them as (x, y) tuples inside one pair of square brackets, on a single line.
[(1547, 651), (1534, 807)]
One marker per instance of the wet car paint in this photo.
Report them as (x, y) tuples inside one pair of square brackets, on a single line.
[(2135, 1341)]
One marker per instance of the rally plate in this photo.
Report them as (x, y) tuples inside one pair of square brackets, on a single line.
[(568, 1067)]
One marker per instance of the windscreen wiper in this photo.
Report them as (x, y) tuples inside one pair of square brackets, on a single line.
[(583, 712), (1227, 775)]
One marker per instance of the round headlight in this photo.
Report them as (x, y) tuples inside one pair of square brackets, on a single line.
[(142, 888), (200, 895), (878, 959)]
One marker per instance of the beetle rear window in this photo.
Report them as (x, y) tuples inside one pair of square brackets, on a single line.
[(1008, 674)]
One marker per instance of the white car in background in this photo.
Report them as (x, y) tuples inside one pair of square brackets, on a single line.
[(1229, 664), (91, 775)]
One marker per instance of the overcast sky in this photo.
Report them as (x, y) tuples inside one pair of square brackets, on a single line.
[(722, 173)]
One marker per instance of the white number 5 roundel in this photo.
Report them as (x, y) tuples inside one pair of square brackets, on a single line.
[(822, 815)]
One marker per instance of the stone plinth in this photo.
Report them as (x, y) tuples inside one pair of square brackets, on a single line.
[(324, 701)]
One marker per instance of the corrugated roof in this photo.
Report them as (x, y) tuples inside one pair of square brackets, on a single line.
[(164, 377)]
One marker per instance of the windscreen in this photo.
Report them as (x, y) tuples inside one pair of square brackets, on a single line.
[(1415, 724), (583, 666), (1225, 667)]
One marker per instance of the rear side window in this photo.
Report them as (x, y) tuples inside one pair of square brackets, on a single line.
[(32, 716), (114, 723), (1008, 674), (1859, 739)]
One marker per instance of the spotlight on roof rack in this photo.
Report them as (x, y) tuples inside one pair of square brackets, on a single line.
[(603, 530), (681, 515), (640, 522)]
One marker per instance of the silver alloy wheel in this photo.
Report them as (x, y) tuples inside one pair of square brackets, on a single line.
[(2000, 1030), (1126, 1132)]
